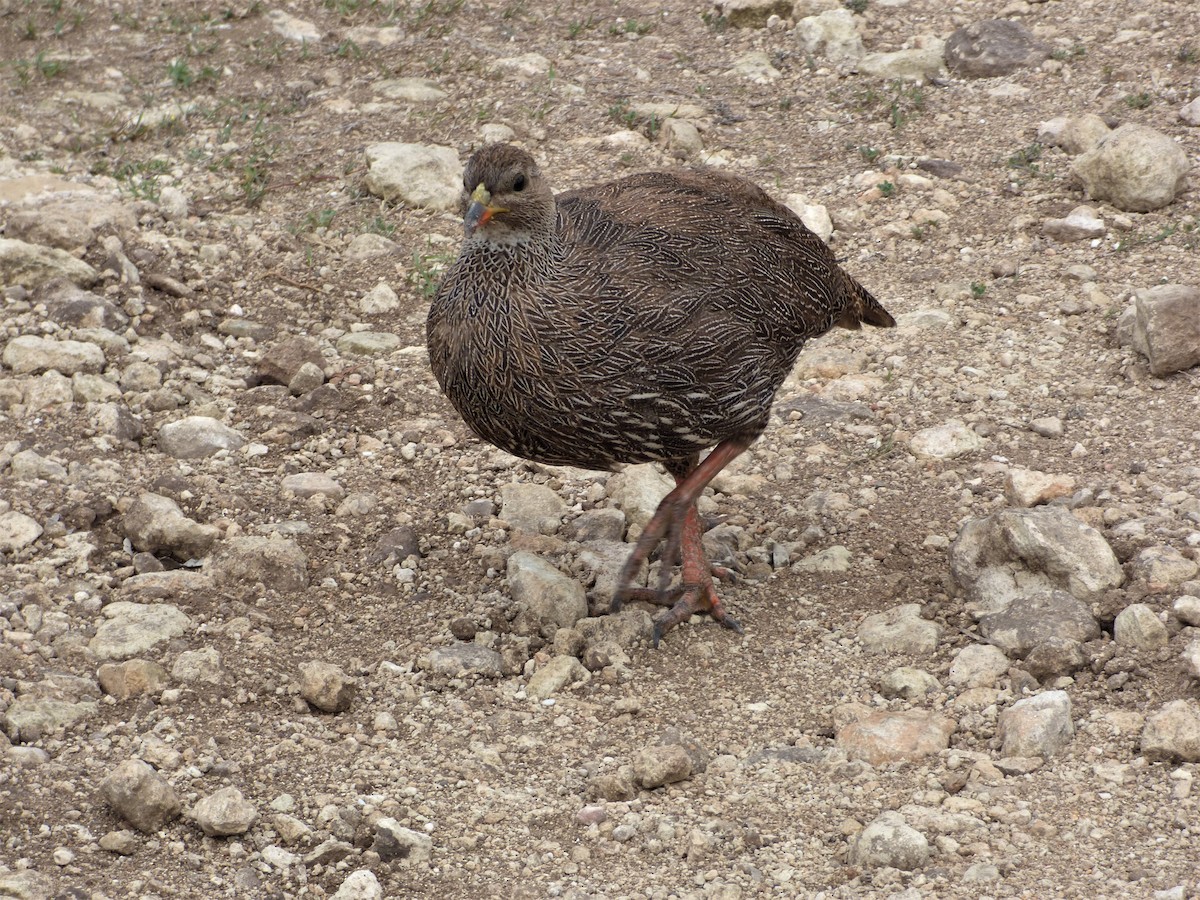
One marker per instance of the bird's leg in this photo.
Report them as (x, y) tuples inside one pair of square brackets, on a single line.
[(677, 521)]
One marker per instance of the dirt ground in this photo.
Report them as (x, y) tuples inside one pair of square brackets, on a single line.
[(265, 137)]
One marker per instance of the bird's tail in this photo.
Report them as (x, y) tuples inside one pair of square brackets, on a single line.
[(863, 307)]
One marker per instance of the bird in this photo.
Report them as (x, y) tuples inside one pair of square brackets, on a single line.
[(646, 319)]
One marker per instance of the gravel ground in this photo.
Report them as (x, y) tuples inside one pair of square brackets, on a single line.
[(273, 623)]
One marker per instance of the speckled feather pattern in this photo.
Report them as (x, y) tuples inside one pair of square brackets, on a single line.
[(644, 319)]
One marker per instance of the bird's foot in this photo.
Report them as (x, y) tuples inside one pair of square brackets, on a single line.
[(684, 601)]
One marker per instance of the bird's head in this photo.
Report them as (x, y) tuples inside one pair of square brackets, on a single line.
[(505, 199)]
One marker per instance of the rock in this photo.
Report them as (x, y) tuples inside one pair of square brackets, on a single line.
[(73, 307), (755, 66), (465, 659), (1054, 656), (1135, 168), (599, 525), (1187, 609), (889, 842), (629, 628), (1074, 135), (224, 812), (198, 666), (899, 630), (308, 377), (291, 28), (249, 561), (31, 718), (1167, 326), (1081, 224), (1026, 487), (30, 354), (25, 884), (948, 441), (1022, 552), (884, 737), (1029, 621), (17, 531), (31, 265), (360, 885), (196, 437), (414, 90), (379, 299), (662, 764), (833, 34), (326, 686), (421, 175), (140, 796), (920, 64), (993, 47), (368, 343), (122, 843), (681, 138), (1163, 568), (555, 599), (1037, 726), (814, 216), (310, 484), (282, 361), (132, 629), (554, 676), (908, 683), (1189, 113), (154, 524), (752, 13), (532, 508), (132, 678), (527, 65), (1191, 658), (1138, 627), (978, 665), (1173, 732), (637, 491), (392, 842), (396, 546)]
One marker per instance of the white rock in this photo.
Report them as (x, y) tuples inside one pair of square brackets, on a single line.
[(551, 596), (813, 215), (899, 630), (379, 299), (533, 508), (1173, 732), (415, 90), (27, 354), (637, 492), (1138, 627), (1026, 487), (1135, 168), (496, 133), (528, 65), (890, 842), (1074, 135), (978, 665), (17, 531), (1081, 224), (293, 29), (132, 629), (360, 885), (921, 64), (195, 437), (224, 812), (1166, 326), (755, 66), (1037, 726), (554, 676), (1187, 609), (833, 33), (948, 441), (1190, 113), (32, 265), (426, 176)]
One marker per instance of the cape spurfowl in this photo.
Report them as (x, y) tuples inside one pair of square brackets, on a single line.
[(646, 319)]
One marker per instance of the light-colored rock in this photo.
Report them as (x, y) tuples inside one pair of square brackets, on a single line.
[(883, 737), (140, 796), (31, 354), (31, 718), (532, 508), (249, 561), (132, 629), (681, 138), (899, 630), (660, 765), (832, 34), (948, 441), (310, 484), (1163, 567), (414, 90), (1135, 168), (465, 659), (1187, 609), (154, 523), (326, 686), (755, 66), (1139, 628), (527, 65), (17, 531), (637, 491), (908, 683), (992, 47), (1028, 621), (832, 559), (978, 665), (368, 343), (360, 885), (1083, 223), (919, 64), (394, 842), (889, 842), (31, 265), (1173, 732), (1189, 113), (224, 812), (1027, 487), (1191, 658), (196, 437), (1166, 326), (422, 175), (814, 216), (1037, 726), (557, 674), (292, 28), (370, 246), (554, 599), (201, 666), (379, 299), (132, 678), (751, 13), (1075, 134), (122, 843)]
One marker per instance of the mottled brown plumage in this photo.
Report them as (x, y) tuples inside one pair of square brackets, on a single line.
[(645, 319)]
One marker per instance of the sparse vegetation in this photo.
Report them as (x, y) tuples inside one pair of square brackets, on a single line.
[(978, 289), (887, 189), (1138, 101)]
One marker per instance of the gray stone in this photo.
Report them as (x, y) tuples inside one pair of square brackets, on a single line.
[(292, 28), (368, 343), (920, 64), (51, 228), (421, 175), (755, 66), (555, 675), (369, 246), (26, 884), (1083, 223), (1054, 656), (1191, 658), (154, 524), (1029, 621), (1037, 726), (1135, 168), (1163, 567), (28, 465), (140, 796), (48, 392), (1076, 134), (889, 842), (132, 629), (29, 354), (599, 525), (379, 299), (832, 34), (1189, 113), (360, 885), (899, 630), (681, 138), (814, 216), (1047, 427), (115, 420), (978, 665), (196, 437), (1173, 732), (414, 90), (884, 737), (908, 683), (993, 47), (1139, 628), (223, 813), (72, 307), (1022, 552), (31, 718), (660, 765), (629, 628), (198, 666), (637, 491), (1026, 487), (282, 361), (553, 598), (17, 531), (277, 563), (308, 377), (309, 484), (532, 508), (393, 842), (132, 678), (526, 65), (122, 843), (948, 441), (30, 265), (1167, 326), (465, 659), (752, 13), (1187, 609), (326, 686)]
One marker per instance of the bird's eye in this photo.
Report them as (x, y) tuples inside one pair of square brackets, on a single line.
[(519, 183)]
